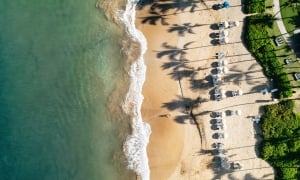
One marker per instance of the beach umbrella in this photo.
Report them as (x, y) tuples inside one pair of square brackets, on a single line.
[(239, 112), (226, 4), (226, 24), (225, 70)]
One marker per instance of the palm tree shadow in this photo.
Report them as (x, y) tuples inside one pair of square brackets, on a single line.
[(181, 119), (197, 84), (173, 64), (181, 103), (154, 18), (174, 53), (164, 6), (141, 4), (182, 29), (179, 74)]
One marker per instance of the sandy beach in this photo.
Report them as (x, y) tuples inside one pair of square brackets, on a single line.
[(179, 93)]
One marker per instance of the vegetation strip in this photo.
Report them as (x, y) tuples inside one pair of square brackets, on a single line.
[(260, 45), (281, 133), (280, 125)]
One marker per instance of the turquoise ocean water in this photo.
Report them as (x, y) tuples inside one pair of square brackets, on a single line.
[(62, 79)]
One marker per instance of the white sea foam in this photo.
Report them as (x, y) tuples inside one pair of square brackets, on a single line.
[(136, 143)]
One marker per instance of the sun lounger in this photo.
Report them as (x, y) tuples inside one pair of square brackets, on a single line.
[(219, 120), (220, 55), (237, 93), (235, 112), (219, 94), (221, 26), (225, 164), (222, 63), (220, 136), (236, 166), (233, 24), (217, 80), (223, 34), (228, 24), (221, 70), (218, 145), (223, 40), (218, 114)]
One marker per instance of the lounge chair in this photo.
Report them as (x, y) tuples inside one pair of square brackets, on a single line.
[(237, 93), (217, 80), (236, 166), (223, 40), (220, 55), (222, 63), (223, 34), (219, 94), (217, 114), (233, 24), (217, 145)]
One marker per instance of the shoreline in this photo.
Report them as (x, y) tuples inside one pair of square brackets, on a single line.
[(180, 58), (166, 140)]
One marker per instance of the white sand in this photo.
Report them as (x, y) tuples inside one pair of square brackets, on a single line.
[(176, 150)]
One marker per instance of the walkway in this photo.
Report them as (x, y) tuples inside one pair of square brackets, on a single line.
[(284, 33)]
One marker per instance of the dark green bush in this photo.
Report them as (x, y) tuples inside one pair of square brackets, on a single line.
[(254, 6), (260, 45), (281, 146)]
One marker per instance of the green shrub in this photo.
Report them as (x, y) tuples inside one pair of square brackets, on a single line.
[(255, 6), (281, 146), (289, 173), (281, 150), (260, 45), (294, 146), (278, 120), (267, 151)]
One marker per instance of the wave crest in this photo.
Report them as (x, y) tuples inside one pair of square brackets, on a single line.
[(136, 143)]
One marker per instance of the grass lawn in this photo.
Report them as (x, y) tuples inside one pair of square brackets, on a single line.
[(297, 106), (269, 3), (289, 16), (284, 51)]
